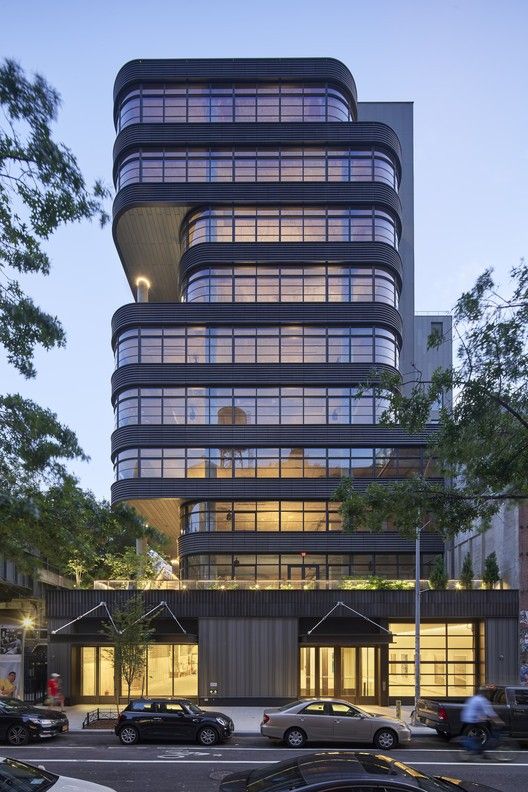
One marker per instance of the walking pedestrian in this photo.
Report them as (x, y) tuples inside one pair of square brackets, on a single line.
[(55, 694)]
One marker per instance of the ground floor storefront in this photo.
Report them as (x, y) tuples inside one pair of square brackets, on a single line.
[(244, 647)]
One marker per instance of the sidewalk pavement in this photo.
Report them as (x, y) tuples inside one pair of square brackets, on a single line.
[(246, 719)]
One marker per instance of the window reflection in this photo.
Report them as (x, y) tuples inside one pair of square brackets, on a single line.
[(244, 165), (272, 463), (289, 224), (284, 283), (285, 344), (194, 103)]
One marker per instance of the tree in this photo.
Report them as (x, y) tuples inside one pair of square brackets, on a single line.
[(130, 639), (480, 444), (438, 578), (466, 573), (491, 573), (129, 565), (43, 512)]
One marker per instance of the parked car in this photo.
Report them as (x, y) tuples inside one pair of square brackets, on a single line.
[(20, 722), (510, 702), (17, 776), (330, 772), (331, 720), (172, 719)]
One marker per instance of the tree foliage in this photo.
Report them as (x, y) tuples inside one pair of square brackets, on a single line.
[(466, 573), (438, 578), (130, 639), (43, 511), (491, 572), (480, 443)]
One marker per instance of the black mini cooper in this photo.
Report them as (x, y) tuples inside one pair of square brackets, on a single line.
[(172, 719)]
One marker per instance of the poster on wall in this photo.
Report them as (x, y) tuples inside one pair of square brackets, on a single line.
[(11, 655)]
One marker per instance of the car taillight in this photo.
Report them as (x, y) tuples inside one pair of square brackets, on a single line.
[(442, 714), (265, 718)]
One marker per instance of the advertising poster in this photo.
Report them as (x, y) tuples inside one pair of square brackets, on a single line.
[(11, 656)]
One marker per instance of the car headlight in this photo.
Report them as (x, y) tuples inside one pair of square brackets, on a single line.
[(43, 722), (222, 721)]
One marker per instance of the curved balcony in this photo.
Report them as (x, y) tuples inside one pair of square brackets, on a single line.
[(359, 134), (236, 71)]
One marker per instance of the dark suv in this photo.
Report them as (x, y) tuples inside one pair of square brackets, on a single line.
[(172, 719)]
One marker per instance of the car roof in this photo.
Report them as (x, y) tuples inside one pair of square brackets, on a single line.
[(359, 765)]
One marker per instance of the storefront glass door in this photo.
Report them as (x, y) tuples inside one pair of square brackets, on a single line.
[(348, 671)]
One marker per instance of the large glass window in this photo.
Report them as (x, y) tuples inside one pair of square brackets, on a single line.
[(171, 670), (300, 568), (246, 406), (284, 283), (271, 463), (289, 224), (448, 659), (206, 103), (263, 165), (284, 344)]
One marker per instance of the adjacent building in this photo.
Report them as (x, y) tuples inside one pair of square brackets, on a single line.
[(264, 220)]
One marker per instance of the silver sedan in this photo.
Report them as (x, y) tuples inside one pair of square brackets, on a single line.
[(331, 720)]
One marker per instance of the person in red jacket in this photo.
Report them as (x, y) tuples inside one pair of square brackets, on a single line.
[(55, 694)]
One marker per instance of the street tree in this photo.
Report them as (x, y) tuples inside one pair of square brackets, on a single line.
[(479, 445), (129, 638)]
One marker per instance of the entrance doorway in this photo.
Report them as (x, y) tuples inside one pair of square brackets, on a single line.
[(348, 671), (303, 571)]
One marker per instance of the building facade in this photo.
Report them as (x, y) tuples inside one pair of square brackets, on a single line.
[(264, 220)]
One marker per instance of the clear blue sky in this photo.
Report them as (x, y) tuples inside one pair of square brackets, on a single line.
[(463, 64)]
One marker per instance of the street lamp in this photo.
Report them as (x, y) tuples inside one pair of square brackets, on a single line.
[(417, 616)]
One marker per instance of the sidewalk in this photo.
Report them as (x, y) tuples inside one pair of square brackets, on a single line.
[(246, 719)]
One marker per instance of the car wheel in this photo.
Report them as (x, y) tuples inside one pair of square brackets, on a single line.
[(476, 732), (295, 738), (385, 739), (17, 735), (207, 736), (129, 735)]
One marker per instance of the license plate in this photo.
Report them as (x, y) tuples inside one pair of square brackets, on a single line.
[(65, 728)]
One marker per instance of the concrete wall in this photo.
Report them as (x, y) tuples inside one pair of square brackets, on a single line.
[(502, 538), (255, 658), (426, 361)]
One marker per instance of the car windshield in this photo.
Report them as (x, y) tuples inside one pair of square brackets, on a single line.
[(194, 709), (13, 705), (282, 776), (20, 777)]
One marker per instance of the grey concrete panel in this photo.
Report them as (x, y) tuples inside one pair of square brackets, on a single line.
[(502, 651)]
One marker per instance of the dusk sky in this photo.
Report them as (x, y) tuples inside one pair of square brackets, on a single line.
[(463, 64)]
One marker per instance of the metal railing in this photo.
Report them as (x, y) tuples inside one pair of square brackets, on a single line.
[(99, 714)]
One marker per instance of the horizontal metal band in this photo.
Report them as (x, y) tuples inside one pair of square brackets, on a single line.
[(233, 489), (237, 70), (164, 314), (265, 436), (156, 136), (218, 253), (307, 541), (264, 194), (157, 374)]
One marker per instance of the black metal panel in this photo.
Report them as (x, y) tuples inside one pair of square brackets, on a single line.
[(246, 374), (217, 253), (63, 604), (234, 489), (309, 542), (237, 70), (264, 194), (156, 136), (161, 314), (263, 436)]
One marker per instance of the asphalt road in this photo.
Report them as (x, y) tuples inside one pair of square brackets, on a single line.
[(186, 768)]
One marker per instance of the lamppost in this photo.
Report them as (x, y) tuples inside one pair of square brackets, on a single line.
[(417, 615)]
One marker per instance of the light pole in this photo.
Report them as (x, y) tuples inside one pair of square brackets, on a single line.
[(417, 615)]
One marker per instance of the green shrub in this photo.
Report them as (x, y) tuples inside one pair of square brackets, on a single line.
[(438, 577)]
